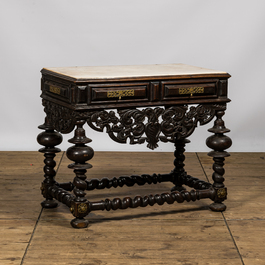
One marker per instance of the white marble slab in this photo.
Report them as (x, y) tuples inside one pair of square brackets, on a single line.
[(131, 71)]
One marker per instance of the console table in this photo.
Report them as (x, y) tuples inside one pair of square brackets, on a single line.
[(141, 104)]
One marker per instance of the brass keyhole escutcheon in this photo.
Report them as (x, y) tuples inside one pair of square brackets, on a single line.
[(120, 93), (191, 90)]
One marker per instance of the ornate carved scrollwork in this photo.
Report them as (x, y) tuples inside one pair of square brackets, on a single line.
[(61, 118), (151, 125)]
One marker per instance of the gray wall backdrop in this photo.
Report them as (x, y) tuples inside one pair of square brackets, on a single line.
[(227, 35)]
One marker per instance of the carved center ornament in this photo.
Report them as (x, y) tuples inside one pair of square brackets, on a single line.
[(149, 125)]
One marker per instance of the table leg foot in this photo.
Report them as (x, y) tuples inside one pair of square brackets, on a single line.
[(79, 223), (217, 207), (49, 204)]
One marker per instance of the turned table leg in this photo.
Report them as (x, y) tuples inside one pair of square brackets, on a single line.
[(219, 142), (49, 139), (80, 153), (179, 170)]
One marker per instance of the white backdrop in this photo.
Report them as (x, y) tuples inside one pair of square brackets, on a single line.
[(227, 35)]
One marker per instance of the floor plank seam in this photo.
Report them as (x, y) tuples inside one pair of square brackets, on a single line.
[(33, 232), (59, 164), (251, 219), (230, 232), (35, 227), (202, 167), (223, 215)]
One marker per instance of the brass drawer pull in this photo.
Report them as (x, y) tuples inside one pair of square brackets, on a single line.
[(55, 90), (120, 93), (191, 90)]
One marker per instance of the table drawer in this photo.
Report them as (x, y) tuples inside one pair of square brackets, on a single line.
[(101, 93), (56, 90), (187, 89)]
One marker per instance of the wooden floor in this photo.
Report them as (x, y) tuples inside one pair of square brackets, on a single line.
[(186, 233)]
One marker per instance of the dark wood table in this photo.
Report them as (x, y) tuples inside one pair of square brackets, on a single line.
[(136, 104)]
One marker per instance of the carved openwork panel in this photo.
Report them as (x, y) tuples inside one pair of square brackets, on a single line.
[(149, 125), (61, 118)]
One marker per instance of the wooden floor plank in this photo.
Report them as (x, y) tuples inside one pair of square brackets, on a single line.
[(131, 232), (255, 261), (146, 240), (138, 261), (12, 210), (22, 163), (129, 163), (245, 202), (20, 192), (11, 257), (14, 239), (236, 158), (250, 238), (245, 181), (186, 233)]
